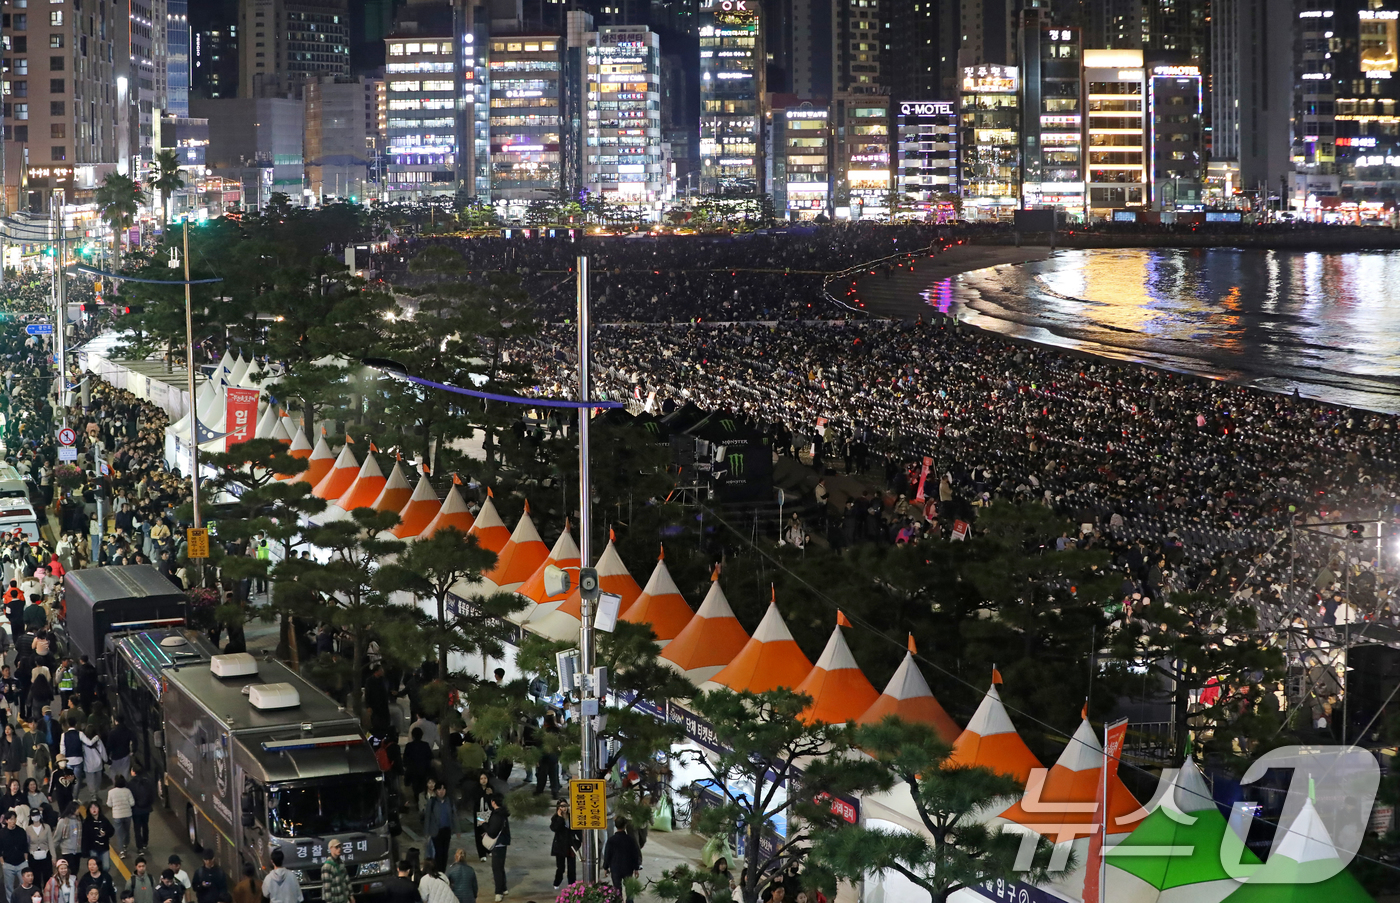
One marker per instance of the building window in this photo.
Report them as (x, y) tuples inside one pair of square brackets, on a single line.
[(56, 85), (21, 89), (58, 153), (21, 44), (22, 134), (55, 64), (56, 108), (57, 130), (396, 50), (21, 21), (56, 17), (21, 67), (21, 111), (55, 40)]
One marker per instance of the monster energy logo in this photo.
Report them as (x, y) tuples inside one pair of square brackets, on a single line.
[(728, 425), (736, 464), (652, 427)]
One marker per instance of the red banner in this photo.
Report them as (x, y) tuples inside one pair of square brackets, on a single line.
[(1113, 751), (240, 415)]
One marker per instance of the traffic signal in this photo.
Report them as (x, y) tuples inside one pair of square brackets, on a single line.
[(132, 309)]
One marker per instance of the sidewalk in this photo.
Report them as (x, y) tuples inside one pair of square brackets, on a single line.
[(530, 868)]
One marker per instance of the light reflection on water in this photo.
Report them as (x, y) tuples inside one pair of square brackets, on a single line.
[(1326, 324)]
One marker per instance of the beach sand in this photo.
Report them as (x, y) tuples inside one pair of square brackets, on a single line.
[(899, 296)]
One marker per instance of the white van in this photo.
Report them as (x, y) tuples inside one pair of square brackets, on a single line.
[(17, 511)]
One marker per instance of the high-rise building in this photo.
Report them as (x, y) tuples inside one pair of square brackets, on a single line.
[(527, 127), (146, 30), (1176, 139), (285, 42), (923, 38), (990, 141), (732, 84), (62, 62), (1367, 68), (800, 154), (176, 88), (1314, 100), (988, 33), (620, 142), (336, 147), (422, 80), (1052, 120), (926, 170), (1116, 92), (1251, 98), (256, 142), (214, 48)]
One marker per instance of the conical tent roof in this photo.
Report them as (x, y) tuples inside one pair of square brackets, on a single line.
[(661, 605), (253, 376), (366, 488), (1185, 819), (1298, 870), (770, 659), (301, 446), (206, 392), (318, 464), (1074, 778), (710, 641), (418, 511), (564, 555), (490, 531), (521, 556), (341, 477), (908, 696), (279, 432), (453, 513), (396, 491), (265, 423), (838, 688), (613, 577), (240, 368), (990, 741)]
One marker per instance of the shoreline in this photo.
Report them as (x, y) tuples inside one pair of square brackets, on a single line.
[(901, 297)]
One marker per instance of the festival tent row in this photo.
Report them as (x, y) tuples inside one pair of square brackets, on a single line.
[(711, 648)]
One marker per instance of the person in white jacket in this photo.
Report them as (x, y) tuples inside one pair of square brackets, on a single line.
[(120, 801), (280, 885), (94, 760), (433, 887)]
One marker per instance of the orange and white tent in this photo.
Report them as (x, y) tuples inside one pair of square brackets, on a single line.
[(520, 557), (366, 488), (839, 690), (318, 463), (907, 695), (1073, 784), (710, 641), (396, 492), (490, 531), (341, 476), (661, 605), (301, 446), (613, 577), (990, 741), (565, 556), (768, 660), (420, 509), (453, 513)]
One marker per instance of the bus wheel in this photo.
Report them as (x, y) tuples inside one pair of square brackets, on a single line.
[(192, 828)]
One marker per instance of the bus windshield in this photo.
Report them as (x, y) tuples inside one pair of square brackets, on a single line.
[(329, 807)]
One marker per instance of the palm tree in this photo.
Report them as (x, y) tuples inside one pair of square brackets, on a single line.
[(119, 199), (167, 179)]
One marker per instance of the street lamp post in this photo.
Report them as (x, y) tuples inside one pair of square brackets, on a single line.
[(587, 712)]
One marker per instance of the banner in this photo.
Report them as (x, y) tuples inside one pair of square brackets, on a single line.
[(240, 414), (959, 531), (1113, 736), (923, 478)]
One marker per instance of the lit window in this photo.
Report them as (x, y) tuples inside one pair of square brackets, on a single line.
[(396, 50), (56, 17)]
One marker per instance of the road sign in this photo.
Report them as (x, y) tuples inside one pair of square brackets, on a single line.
[(67, 437), (39, 329), (68, 454), (198, 540), (588, 807)]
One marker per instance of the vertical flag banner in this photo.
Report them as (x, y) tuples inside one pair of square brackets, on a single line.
[(240, 415), (1114, 735)]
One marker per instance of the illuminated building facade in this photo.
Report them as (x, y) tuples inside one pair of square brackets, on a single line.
[(621, 144), (800, 155), (1175, 140), (1116, 88), (990, 141), (526, 119), (1052, 120), (420, 87), (732, 77), (926, 171)]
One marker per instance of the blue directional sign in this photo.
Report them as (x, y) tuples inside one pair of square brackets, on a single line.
[(39, 329)]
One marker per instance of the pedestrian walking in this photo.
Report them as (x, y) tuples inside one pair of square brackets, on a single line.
[(462, 877), (565, 846), (497, 840), (120, 802), (622, 858), (335, 879)]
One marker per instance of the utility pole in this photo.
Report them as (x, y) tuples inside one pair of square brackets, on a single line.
[(589, 704), (194, 408)]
